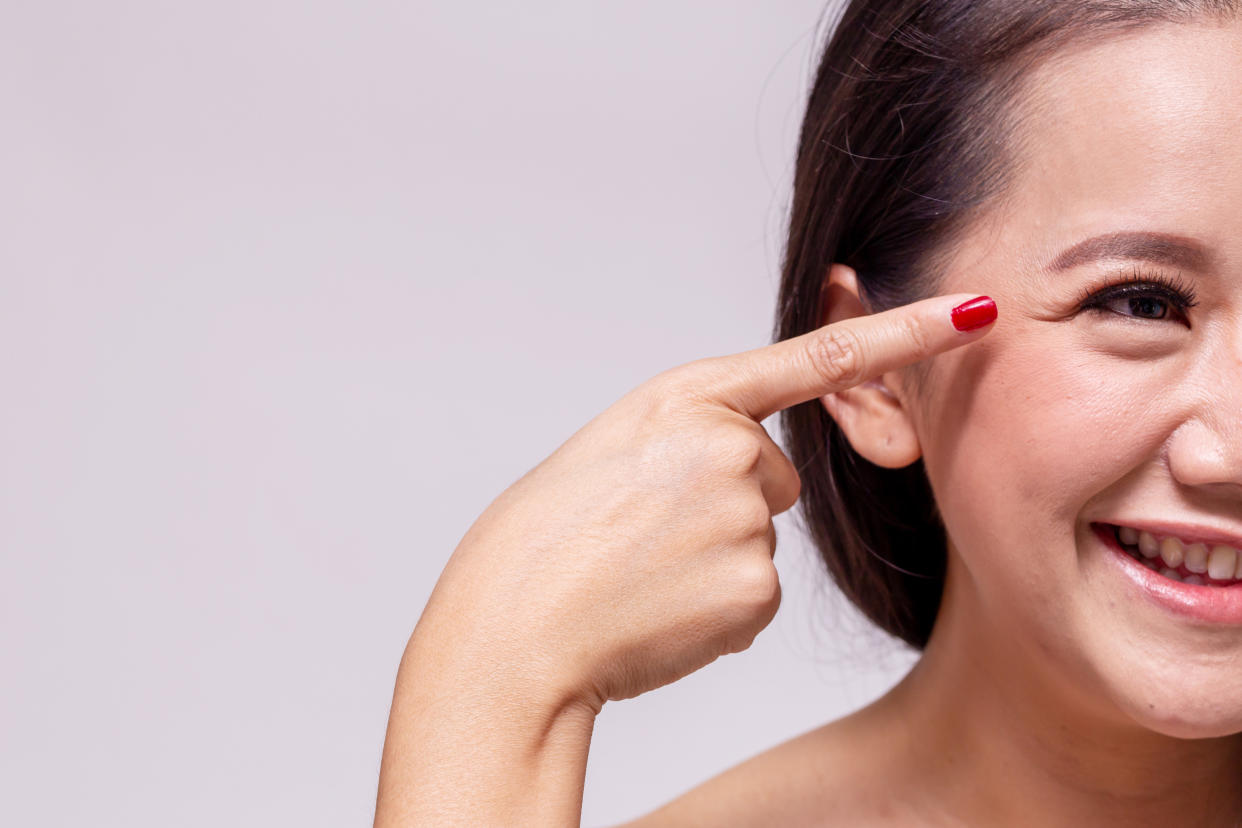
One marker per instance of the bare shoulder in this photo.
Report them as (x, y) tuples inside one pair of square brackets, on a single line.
[(812, 779)]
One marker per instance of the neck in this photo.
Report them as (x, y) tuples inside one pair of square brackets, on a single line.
[(994, 734)]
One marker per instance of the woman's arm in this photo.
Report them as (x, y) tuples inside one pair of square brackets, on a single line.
[(638, 552), (465, 749)]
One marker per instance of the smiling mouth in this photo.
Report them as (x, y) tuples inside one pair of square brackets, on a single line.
[(1178, 560)]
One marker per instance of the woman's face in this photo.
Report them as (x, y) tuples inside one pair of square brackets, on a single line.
[(1064, 419)]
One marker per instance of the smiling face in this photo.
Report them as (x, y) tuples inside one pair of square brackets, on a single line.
[(1126, 413)]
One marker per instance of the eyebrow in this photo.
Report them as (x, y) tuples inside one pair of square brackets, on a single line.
[(1162, 248)]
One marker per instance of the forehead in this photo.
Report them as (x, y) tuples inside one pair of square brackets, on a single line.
[(1140, 131)]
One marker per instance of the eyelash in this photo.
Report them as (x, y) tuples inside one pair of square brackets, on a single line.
[(1140, 283)]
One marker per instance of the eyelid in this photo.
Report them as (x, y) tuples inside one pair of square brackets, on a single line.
[(1175, 290)]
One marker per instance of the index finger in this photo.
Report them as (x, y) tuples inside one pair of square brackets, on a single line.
[(762, 381)]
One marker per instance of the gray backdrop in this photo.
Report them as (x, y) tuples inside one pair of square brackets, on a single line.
[(290, 292)]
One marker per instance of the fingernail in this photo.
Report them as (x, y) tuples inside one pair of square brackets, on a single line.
[(974, 314)]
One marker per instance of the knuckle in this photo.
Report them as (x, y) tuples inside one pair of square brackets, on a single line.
[(795, 488), (758, 597), (914, 332), (739, 641), (675, 391), (688, 379), (754, 518), (792, 491), (836, 356), (759, 584), (759, 519), (674, 380), (664, 385), (665, 395), (737, 452)]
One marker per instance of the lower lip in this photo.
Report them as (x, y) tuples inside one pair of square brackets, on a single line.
[(1210, 604)]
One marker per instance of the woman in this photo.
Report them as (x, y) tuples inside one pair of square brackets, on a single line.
[(1049, 506)]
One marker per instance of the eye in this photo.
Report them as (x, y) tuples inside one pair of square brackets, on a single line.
[(1144, 296)]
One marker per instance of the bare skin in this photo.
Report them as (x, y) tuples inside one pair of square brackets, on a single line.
[(946, 747), (1050, 694), (638, 552)]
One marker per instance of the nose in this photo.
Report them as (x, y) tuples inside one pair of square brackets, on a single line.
[(1201, 455), (1206, 450)]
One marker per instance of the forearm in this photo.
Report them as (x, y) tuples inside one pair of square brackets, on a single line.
[(466, 747)]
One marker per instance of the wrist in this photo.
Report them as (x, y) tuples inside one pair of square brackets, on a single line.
[(480, 664), (472, 745)]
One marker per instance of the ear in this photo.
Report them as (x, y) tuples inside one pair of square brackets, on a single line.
[(873, 417)]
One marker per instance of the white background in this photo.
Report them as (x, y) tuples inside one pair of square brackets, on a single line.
[(290, 291)]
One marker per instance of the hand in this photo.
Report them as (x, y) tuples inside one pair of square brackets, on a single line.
[(641, 549)]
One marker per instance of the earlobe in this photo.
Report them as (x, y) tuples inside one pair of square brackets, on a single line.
[(874, 419), (876, 424)]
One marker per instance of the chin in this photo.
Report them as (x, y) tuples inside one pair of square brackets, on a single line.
[(1189, 722), (1185, 696)]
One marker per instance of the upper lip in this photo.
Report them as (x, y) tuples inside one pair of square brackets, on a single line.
[(1186, 532)]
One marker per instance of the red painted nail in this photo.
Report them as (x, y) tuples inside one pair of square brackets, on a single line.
[(974, 314)]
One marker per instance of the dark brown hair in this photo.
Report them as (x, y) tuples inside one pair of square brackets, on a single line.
[(910, 129)]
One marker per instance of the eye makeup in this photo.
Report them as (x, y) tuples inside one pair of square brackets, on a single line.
[(1142, 293)]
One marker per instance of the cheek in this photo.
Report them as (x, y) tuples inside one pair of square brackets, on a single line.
[(1019, 433), (1021, 437)]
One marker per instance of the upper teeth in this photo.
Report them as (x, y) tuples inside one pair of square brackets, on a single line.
[(1221, 562)]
